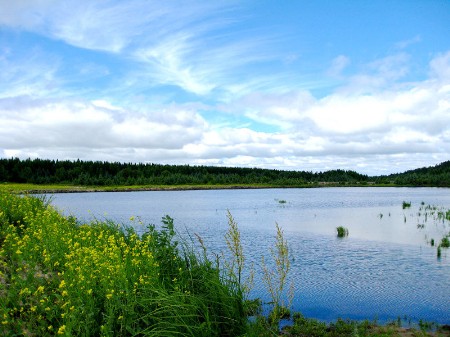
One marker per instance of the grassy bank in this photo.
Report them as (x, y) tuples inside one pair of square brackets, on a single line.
[(62, 277), (19, 188), (22, 188)]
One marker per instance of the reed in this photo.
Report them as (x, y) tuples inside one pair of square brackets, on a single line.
[(276, 279), (236, 265)]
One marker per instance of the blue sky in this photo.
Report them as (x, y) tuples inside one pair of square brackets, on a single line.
[(297, 85)]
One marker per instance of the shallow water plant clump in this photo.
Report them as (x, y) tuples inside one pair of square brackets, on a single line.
[(445, 242), (342, 231), (406, 204)]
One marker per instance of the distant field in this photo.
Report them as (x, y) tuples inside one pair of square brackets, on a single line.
[(37, 188)]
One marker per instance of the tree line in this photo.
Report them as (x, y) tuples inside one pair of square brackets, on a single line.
[(437, 176), (98, 173), (102, 173)]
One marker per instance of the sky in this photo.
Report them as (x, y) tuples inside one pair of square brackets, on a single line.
[(290, 85)]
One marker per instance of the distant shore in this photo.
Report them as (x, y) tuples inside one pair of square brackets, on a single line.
[(20, 188)]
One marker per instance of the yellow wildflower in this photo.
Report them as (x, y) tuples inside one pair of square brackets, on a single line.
[(61, 330)]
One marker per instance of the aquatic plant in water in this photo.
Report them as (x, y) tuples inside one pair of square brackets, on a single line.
[(445, 242), (342, 231)]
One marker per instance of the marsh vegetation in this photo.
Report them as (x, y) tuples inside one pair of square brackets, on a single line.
[(433, 216)]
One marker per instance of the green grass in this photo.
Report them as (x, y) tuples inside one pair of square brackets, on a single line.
[(22, 188), (45, 188)]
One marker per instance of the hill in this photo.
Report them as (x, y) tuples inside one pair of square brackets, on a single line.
[(438, 176)]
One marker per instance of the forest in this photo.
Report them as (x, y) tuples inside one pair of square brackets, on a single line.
[(98, 173)]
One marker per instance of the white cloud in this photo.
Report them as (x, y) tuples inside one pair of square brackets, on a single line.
[(348, 114), (42, 124), (374, 121)]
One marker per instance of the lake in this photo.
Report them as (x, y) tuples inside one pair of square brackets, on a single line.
[(385, 269)]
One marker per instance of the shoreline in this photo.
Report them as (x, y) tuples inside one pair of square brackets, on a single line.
[(24, 188)]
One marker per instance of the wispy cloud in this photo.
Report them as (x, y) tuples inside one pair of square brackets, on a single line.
[(338, 64), (28, 73), (199, 62), (406, 43)]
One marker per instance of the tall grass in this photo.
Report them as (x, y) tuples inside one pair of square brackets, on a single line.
[(276, 279), (235, 267)]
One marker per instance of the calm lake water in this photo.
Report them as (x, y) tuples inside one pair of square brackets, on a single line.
[(384, 269)]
